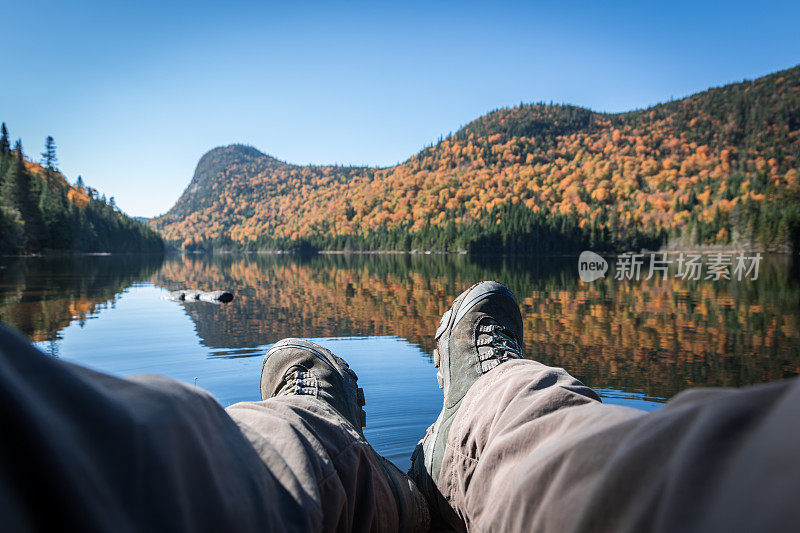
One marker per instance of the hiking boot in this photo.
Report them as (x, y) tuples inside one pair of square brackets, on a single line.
[(481, 330), (301, 367)]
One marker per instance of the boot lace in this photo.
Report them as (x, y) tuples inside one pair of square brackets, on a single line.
[(496, 345), (299, 382)]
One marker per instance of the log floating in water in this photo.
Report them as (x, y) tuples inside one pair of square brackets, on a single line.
[(194, 296)]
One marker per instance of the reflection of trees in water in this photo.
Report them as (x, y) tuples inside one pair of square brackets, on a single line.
[(42, 295), (657, 336), (279, 296)]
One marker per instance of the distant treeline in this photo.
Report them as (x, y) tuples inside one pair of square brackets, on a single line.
[(522, 231), (41, 212)]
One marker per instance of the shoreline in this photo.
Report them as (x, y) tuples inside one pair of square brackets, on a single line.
[(670, 251)]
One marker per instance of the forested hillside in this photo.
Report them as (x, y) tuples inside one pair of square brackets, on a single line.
[(717, 168), (41, 212)]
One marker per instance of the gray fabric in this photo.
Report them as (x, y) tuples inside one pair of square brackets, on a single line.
[(83, 451), (532, 449)]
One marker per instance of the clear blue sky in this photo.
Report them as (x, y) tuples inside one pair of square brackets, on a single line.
[(134, 93)]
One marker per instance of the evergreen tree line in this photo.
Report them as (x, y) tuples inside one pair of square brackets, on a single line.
[(506, 229), (40, 212)]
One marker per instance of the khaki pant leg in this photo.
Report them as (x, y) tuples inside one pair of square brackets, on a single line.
[(532, 449), (322, 461)]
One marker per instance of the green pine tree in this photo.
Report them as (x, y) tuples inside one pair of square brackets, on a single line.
[(21, 194), (5, 153), (11, 224), (5, 146), (49, 158)]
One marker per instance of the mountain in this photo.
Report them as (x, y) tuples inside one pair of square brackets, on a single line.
[(41, 212), (718, 168), (239, 195)]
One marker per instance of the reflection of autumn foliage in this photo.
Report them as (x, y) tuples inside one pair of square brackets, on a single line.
[(719, 167), (278, 297), (41, 296), (658, 336), (664, 334)]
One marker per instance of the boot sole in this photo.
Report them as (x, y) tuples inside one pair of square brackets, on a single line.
[(336, 363), (424, 465), (461, 306), (468, 300)]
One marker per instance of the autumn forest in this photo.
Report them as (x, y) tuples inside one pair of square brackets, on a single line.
[(716, 169)]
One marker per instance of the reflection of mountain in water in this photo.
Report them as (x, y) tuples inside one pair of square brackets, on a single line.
[(42, 295), (654, 336), (328, 296)]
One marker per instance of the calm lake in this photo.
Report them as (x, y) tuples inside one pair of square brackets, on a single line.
[(637, 342)]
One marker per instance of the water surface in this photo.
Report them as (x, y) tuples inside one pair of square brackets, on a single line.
[(638, 343)]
